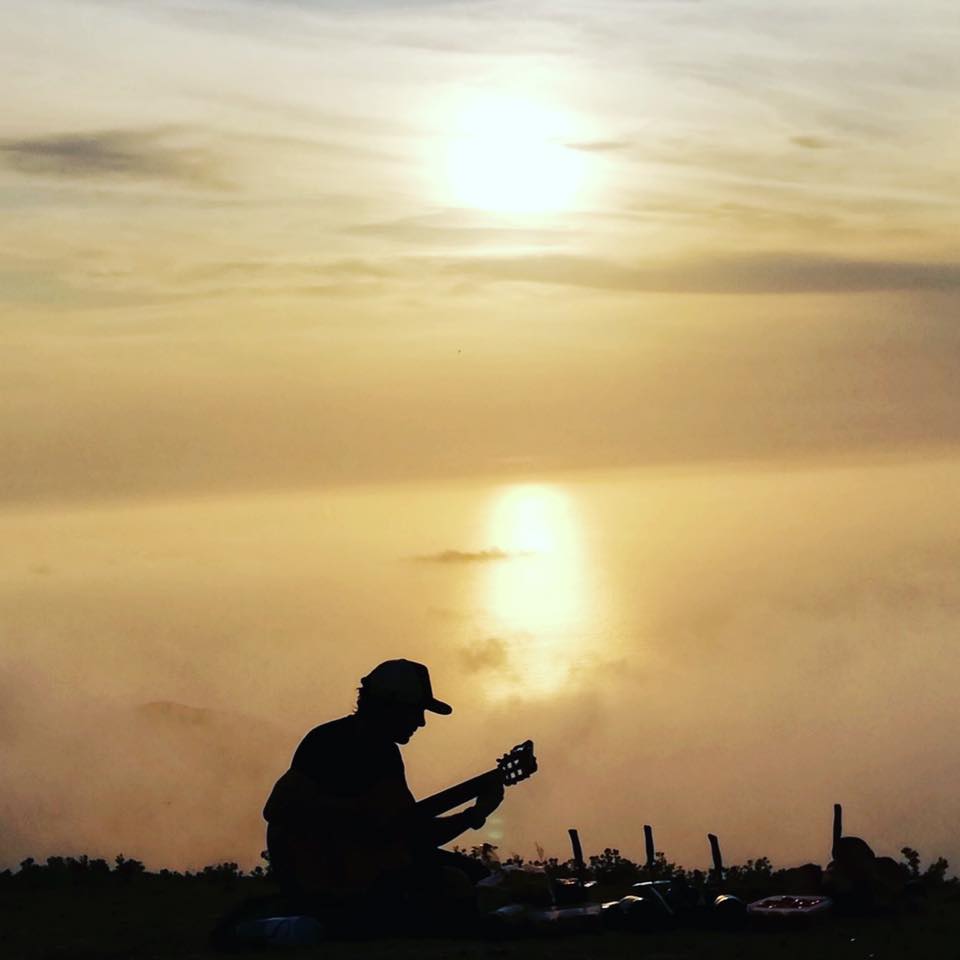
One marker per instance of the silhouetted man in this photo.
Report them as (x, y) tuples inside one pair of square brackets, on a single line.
[(342, 823)]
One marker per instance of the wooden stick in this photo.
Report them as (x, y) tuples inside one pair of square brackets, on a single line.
[(837, 828), (648, 840), (577, 853), (717, 857)]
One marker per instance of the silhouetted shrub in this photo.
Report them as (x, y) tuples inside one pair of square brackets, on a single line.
[(937, 871), (127, 869), (912, 859), (224, 873), (610, 868), (934, 875), (661, 869)]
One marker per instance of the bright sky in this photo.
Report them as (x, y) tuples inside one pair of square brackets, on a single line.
[(279, 244), (257, 256)]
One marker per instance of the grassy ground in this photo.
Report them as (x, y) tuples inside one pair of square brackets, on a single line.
[(151, 916)]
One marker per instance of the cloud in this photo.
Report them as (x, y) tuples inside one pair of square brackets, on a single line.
[(757, 273), (600, 146), (286, 272), (465, 556), (66, 285), (444, 231), (489, 654), (114, 155), (810, 143)]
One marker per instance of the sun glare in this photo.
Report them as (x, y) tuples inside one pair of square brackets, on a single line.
[(536, 599), (510, 156)]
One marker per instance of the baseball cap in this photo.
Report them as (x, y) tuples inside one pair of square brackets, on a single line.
[(404, 681)]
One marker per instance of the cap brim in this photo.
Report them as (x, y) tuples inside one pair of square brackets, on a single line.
[(438, 706)]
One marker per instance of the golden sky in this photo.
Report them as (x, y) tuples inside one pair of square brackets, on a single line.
[(260, 261), (253, 245)]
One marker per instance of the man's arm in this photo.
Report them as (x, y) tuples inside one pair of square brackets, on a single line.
[(441, 830)]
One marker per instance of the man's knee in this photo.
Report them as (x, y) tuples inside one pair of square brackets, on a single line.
[(455, 885), (474, 869)]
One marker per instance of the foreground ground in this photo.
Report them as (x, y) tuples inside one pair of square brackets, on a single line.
[(157, 917)]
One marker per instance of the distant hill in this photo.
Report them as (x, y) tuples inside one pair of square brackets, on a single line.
[(173, 784), (214, 769)]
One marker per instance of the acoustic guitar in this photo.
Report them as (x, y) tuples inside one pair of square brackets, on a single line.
[(519, 764), (331, 863)]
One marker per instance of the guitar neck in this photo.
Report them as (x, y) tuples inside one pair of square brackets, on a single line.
[(454, 796)]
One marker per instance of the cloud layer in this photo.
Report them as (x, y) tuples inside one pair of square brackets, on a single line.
[(465, 556), (757, 273), (112, 155)]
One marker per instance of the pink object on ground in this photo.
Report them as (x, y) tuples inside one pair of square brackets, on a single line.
[(801, 905)]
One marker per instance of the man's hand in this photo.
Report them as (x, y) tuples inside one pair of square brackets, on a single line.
[(489, 800)]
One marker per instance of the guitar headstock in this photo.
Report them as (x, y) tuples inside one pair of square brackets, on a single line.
[(518, 764)]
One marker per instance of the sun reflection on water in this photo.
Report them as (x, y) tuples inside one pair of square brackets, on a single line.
[(536, 598)]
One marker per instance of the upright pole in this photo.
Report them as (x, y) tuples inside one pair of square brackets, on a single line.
[(837, 828), (580, 866), (648, 840), (717, 857)]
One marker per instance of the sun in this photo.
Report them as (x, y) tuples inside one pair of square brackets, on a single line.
[(510, 156)]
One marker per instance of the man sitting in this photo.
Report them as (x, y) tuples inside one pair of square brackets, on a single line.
[(343, 825)]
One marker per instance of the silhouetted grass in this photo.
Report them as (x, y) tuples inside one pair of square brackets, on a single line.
[(759, 877), (80, 908)]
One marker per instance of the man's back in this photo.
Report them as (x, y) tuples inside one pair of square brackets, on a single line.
[(339, 802)]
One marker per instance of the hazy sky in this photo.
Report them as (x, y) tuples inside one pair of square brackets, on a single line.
[(268, 245), (261, 260), (725, 650)]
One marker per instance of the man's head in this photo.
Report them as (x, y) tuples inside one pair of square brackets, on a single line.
[(394, 696)]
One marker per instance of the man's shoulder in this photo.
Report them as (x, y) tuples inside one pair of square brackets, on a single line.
[(334, 735), (342, 742), (340, 728)]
